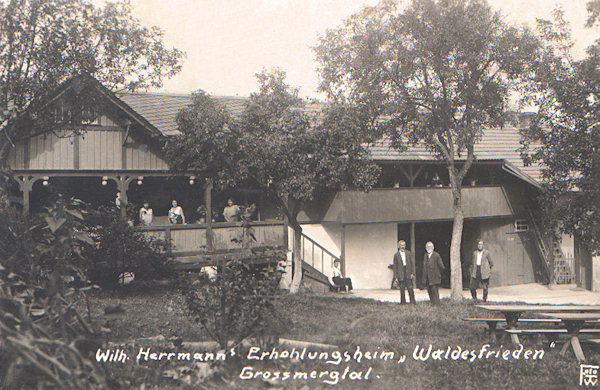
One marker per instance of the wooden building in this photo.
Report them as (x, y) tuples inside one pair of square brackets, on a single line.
[(117, 154), (120, 150)]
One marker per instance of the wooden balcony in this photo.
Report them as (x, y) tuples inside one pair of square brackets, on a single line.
[(416, 204), (193, 247)]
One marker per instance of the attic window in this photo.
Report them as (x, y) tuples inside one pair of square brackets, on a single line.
[(521, 225), (89, 117), (63, 113)]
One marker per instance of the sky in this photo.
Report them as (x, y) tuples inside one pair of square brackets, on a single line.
[(228, 41)]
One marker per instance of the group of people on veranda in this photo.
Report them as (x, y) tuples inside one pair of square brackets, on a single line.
[(431, 277), (176, 216)]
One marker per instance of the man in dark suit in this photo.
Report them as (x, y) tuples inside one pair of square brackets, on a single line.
[(432, 272), (481, 270), (404, 271)]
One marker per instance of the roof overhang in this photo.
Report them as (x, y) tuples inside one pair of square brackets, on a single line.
[(504, 164), (510, 168)]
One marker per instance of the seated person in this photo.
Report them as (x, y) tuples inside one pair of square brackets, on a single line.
[(176, 215), (246, 212), (146, 215), (231, 212), (336, 279), (201, 214)]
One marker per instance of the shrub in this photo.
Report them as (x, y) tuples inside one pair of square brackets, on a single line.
[(238, 302), (120, 248), (44, 342)]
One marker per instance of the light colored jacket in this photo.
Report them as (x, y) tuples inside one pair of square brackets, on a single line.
[(486, 264)]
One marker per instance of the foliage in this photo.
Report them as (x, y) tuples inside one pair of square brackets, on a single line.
[(44, 43), (565, 135), (277, 145), (44, 342), (119, 248), (46, 244), (237, 303), (436, 72)]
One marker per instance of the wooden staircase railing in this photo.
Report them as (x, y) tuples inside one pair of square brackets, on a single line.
[(547, 254), (316, 260)]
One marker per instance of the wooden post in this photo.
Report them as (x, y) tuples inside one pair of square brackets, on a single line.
[(343, 251), (122, 187), (26, 185), (413, 249), (286, 230), (413, 244), (26, 193), (208, 203)]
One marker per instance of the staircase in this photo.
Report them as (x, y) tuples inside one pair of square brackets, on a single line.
[(542, 249), (563, 267), (316, 261), (557, 266)]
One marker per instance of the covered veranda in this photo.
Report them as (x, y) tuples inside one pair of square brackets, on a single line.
[(200, 241)]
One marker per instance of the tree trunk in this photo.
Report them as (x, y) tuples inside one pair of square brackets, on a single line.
[(457, 229), (296, 257)]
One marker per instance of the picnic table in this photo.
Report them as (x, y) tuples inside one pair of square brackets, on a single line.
[(573, 322), (513, 312)]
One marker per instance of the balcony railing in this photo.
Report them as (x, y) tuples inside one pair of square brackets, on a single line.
[(193, 239)]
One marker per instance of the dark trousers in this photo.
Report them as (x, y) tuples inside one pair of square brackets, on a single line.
[(475, 283), (408, 285), (434, 293), (344, 284)]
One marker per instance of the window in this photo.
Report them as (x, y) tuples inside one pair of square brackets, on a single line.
[(521, 225)]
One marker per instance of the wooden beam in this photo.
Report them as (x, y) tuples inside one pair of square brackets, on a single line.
[(26, 152), (343, 251), (208, 203), (123, 186), (415, 175), (26, 185), (406, 174), (76, 151), (411, 175), (123, 152)]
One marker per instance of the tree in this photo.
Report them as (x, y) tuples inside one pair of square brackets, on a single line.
[(44, 43), (294, 157), (565, 135), (437, 72)]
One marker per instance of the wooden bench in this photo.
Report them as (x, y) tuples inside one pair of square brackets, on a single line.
[(492, 323), (496, 332), (550, 333)]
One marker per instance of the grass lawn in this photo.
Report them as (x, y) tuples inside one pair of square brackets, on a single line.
[(347, 323)]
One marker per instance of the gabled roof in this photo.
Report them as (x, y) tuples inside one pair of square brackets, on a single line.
[(77, 81), (495, 144), (161, 109)]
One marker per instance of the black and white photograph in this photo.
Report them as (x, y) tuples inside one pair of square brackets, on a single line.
[(299, 194)]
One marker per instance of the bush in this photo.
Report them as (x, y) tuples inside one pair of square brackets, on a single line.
[(120, 248), (237, 303), (44, 342)]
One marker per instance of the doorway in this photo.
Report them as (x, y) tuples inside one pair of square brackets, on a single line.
[(440, 233)]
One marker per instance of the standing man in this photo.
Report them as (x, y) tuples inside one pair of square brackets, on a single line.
[(404, 271), (432, 273), (481, 269)]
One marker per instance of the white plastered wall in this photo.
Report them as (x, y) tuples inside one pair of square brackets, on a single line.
[(370, 249)]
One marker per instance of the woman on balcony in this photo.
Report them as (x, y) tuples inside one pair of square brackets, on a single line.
[(146, 215), (176, 216), (231, 212)]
